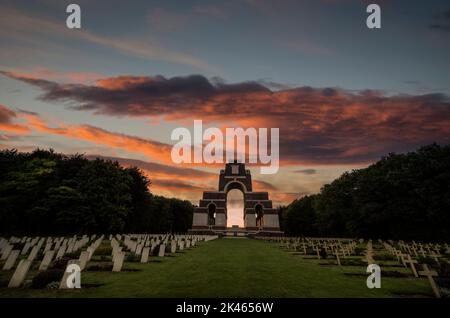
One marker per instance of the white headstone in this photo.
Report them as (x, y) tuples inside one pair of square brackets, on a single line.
[(70, 248), (33, 253), (84, 258), (61, 252), (173, 246), (6, 250), (118, 261), (48, 247), (144, 254), (48, 256), (25, 249), (63, 283), (116, 249), (162, 250), (139, 248), (20, 273), (90, 250), (11, 260), (153, 247)]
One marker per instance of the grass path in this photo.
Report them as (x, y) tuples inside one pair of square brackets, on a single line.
[(232, 268)]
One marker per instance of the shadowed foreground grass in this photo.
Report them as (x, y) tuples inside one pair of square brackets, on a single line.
[(232, 268)]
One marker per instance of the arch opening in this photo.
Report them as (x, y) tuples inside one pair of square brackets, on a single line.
[(259, 216), (211, 214), (235, 208)]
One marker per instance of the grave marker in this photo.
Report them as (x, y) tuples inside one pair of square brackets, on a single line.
[(173, 247), (338, 260), (25, 249), (429, 274), (7, 249), (144, 254), (118, 261), (11, 260), (48, 256), (162, 250), (63, 283), (83, 260), (20, 273), (411, 262), (33, 253)]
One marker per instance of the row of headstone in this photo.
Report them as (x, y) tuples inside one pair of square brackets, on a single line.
[(147, 245), (55, 248), (409, 261), (406, 253), (85, 256), (31, 250), (339, 248)]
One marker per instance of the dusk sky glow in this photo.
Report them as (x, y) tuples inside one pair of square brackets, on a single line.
[(342, 95)]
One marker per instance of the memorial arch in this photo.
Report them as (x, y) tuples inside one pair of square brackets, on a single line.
[(259, 215), (235, 208)]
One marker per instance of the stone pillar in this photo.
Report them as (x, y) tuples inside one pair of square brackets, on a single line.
[(200, 220), (250, 221), (271, 221), (221, 220)]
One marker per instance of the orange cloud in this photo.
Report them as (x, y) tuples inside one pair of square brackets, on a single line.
[(58, 76), (14, 128), (152, 149), (120, 82), (6, 122), (317, 125), (166, 179)]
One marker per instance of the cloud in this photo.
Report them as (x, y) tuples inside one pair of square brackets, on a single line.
[(259, 185), (58, 76), (273, 85), (151, 95), (165, 176), (167, 179), (306, 171), (283, 198), (7, 116), (152, 149), (19, 25), (175, 185), (317, 125), (161, 170)]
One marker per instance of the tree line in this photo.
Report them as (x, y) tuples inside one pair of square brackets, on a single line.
[(47, 193), (402, 196)]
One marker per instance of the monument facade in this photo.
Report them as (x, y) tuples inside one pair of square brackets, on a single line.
[(259, 215)]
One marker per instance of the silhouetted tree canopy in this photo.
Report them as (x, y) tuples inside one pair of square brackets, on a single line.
[(46, 193), (402, 196)]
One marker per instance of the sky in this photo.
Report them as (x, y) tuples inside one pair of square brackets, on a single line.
[(341, 94)]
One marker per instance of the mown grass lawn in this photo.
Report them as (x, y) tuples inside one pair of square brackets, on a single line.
[(233, 268)]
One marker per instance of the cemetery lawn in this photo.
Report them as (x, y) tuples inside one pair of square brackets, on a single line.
[(231, 268)]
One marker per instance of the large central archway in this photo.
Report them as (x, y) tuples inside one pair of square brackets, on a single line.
[(235, 208)]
